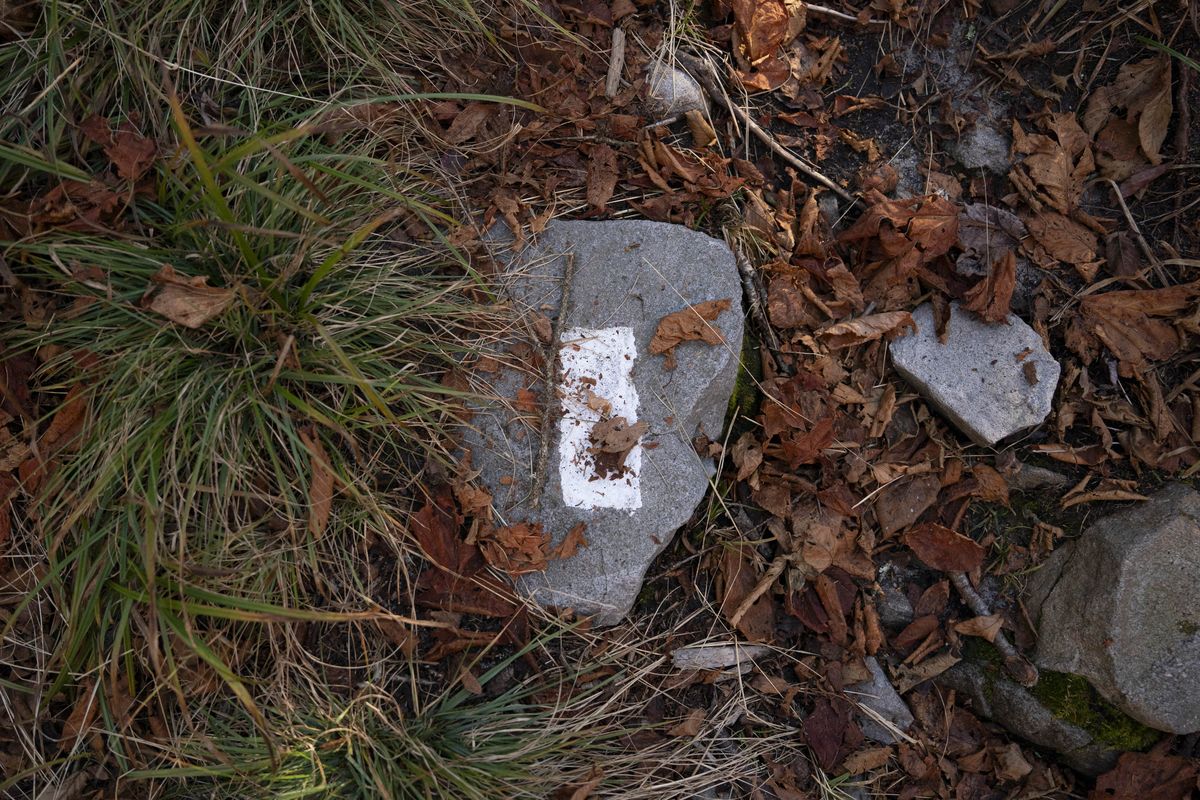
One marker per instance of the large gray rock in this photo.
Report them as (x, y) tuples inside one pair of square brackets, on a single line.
[(1119, 606), (996, 697), (628, 275), (990, 380), (878, 695)]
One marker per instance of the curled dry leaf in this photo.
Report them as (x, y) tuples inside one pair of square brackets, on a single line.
[(601, 176), (867, 329), (612, 439), (187, 301), (571, 543), (984, 627), (941, 548), (991, 297), (320, 487), (516, 549), (1066, 240), (747, 455), (688, 325), (762, 26)]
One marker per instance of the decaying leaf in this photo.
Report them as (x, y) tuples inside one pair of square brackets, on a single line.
[(762, 26), (612, 439), (739, 578), (991, 298), (941, 548), (984, 627), (867, 329), (601, 176), (1129, 325), (690, 725), (1140, 776), (187, 301), (1066, 240), (571, 543), (130, 152), (320, 487), (688, 325), (516, 549)]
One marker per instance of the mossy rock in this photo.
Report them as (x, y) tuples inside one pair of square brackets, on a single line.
[(747, 396), (1072, 699)]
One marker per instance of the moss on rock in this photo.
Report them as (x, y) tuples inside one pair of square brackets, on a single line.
[(1072, 699), (746, 393)]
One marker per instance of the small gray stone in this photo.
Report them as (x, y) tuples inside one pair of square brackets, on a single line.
[(671, 92), (990, 380), (891, 601), (1120, 608), (982, 147), (628, 275), (717, 656), (1010, 704), (880, 696)]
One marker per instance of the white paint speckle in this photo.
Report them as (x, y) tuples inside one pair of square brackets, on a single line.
[(597, 365)]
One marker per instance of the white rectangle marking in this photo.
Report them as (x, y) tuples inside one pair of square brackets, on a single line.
[(597, 366)]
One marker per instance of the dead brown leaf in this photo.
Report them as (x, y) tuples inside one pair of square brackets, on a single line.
[(1066, 240), (984, 627), (941, 548), (689, 725), (739, 578), (320, 487), (867, 329), (747, 455), (515, 549), (1140, 776), (187, 301), (601, 176), (688, 325), (612, 439), (762, 26), (991, 298), (571, 543)]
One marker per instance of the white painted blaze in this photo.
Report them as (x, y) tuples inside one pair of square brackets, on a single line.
[(597, 365)]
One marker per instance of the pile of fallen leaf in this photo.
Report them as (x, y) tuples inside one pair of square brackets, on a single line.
[(842, 468)]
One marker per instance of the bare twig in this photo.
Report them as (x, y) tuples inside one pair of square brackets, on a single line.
[(550, 383), (822, 11), (616, 62), (754, 299), (703, 72), (1017, 665), (1143, 245), (760, 588)]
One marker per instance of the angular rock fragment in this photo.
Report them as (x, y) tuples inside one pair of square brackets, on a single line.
[(671, 92), (990, 380), (717, 656), (620, 460), (878, 695), (1119, 606)]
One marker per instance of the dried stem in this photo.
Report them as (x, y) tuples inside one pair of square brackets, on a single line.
[(1017, 665), (549, 383), (703, 72)]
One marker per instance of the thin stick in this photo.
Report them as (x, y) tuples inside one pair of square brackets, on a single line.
[(616, 62), (702, 71), (755, 302), (822, 11), (549, 382), (760, 588), (1143, 245), (1017, 665)]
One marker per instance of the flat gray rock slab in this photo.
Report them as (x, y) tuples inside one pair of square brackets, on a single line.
[(990, 379), (1120, 607), (628, 275), (881, 697)]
